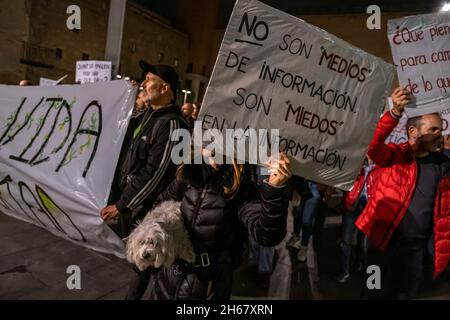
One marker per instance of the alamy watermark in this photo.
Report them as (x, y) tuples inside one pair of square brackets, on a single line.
[(374, 21), (225, 147), (74, 20), (374, 280), (74, 280)]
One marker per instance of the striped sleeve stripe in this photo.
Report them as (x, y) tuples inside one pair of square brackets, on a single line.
[(155, 180)]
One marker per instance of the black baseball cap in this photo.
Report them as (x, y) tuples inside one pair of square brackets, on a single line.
[(165, 72)]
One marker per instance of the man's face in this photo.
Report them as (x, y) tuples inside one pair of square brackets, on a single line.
[(429, 134), (186, 110), (154, 88), (140, 100)]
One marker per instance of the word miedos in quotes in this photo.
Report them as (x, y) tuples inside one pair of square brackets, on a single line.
[(74, 20), (310, 120)]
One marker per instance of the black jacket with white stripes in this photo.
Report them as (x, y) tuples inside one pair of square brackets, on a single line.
[(147, 168)]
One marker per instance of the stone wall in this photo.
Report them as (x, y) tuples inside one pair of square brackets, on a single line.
[(36, 43)]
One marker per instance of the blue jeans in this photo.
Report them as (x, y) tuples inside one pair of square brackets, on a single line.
[(348, 227), (305, 214), (261, 256)]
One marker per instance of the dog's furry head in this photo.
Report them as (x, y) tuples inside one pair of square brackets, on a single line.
[(160, 238)]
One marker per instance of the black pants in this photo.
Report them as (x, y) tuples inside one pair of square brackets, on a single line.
[(138, 284), (407, 266), (140, 279)]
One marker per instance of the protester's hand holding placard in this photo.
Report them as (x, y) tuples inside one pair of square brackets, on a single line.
[(275, 71), (421, 50)]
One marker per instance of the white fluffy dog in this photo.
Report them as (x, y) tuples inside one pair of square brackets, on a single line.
[(160, 238)]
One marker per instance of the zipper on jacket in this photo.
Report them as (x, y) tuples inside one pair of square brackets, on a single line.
[(197, 205), (141, 127)]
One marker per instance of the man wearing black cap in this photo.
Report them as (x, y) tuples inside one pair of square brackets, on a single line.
[(147, 169)]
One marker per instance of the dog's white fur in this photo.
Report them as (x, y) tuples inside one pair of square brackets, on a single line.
[(160, 238)]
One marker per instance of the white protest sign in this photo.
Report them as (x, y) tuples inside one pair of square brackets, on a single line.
[(93, 71), (275, 71), (59, 147), (421, 50), (398, 135), (445, 121), (47, 82)]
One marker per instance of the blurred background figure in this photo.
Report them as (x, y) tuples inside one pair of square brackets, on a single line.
[(446, 150), (23, 83), (304, 219), (196, 110), (187, 110), (354, 203), (140, 106)]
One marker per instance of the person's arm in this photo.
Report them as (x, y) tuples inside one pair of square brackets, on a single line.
[(173, 192), (147, 180), (265, 212), (382, 154), (266, 217)]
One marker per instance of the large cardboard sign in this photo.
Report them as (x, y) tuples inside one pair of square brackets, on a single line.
[(275, 71)]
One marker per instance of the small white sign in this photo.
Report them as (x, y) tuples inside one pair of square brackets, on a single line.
[(47, 82), (421, 50), (93, 71)]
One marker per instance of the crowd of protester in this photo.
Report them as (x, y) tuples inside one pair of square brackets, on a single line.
[(399, 204)]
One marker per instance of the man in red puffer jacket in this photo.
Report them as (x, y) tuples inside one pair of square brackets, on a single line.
[(409, 204)]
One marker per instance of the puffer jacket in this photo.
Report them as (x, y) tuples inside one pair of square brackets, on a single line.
[(442, 226), (218, 228), (394, 184), (351, 197)]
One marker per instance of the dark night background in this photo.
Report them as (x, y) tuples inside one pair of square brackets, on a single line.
[(166, 8)]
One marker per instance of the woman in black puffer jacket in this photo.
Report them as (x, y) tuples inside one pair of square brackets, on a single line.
[(220, 204)]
